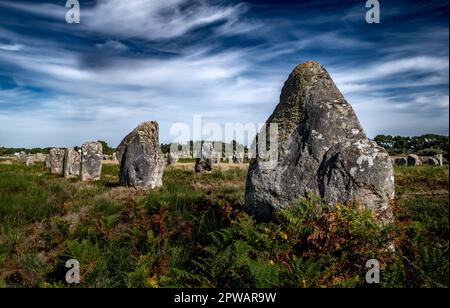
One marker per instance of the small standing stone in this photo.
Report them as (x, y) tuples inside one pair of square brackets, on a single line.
[(401, 161), (205, 163), (72, 163), (56, 161), (172, 159), (414, 160), (91, 161), (30, 161), (433, 161), (440, 159)]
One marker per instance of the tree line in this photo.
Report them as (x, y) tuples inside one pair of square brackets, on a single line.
[(424, 145)]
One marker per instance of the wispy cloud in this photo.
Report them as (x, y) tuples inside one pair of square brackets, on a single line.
[(130, 61)]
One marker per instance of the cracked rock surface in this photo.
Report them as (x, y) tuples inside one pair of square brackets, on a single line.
[(322, 150)]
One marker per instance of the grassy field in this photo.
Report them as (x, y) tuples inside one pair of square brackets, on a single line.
[(194, 233)]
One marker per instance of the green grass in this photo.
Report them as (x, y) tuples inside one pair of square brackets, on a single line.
[(193, 232)]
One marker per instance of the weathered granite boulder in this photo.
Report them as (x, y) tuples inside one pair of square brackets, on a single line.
[(56, 161), (72, 163), (172, 159), (414, 160), (433, 161), (401, 161), (91, 161), (322, 150), (205, 162), (141, 160), (440, 159)]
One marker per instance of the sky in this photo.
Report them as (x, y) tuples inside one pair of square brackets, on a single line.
[(167, 60)]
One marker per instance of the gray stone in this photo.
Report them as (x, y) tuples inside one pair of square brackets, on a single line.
[(56, 161), (205, 162), (91, 161), (414, 160), (142, 162), (22, 157), (39, 157), (72, 163), (433, 161), (114, 157), (440, 159), (29, 161), (172, 159), (47, 162), (322, 150), (401, 161)]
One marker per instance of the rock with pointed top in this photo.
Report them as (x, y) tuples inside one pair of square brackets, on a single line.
[(321, 149), (91, 161), (141, 159)]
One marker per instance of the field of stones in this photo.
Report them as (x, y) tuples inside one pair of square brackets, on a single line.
[(143, 218)]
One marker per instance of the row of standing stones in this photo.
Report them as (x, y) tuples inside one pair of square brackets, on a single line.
[(68, 162), (413, 160), (322, 150)]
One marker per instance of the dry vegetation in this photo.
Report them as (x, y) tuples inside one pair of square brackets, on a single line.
[(193, 233)]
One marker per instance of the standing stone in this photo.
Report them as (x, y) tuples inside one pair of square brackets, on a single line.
[(414, 160), (114, 157), (72, 163), (238, 158), (141, 159), (440, 159), (47, 162), (40, 157), (91, 161), (322, 150), (433, 161), (401, 161), (204, 162), (29, 161), (172, 159), (22, 157), (56, 161)]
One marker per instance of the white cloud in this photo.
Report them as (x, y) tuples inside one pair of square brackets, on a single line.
[(13, 47)]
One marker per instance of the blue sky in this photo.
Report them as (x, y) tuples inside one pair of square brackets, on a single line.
[(136, 60)]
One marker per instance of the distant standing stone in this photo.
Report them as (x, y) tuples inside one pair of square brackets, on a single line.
[(433, 161), (205, 161), (414, 160), (440, 159), (172, 159), (91, 161), (401, 161), (72, 163), (56, 161), (40, 157), (22, 157), (141, 159), (29, 161), (114, 157)]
